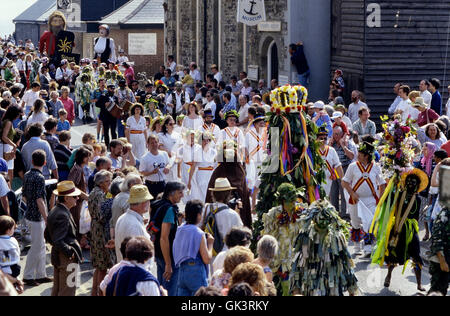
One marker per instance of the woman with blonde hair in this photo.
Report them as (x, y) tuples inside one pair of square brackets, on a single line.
[(235, 256), (252, 274)]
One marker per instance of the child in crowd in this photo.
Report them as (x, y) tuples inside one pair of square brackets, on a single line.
[(9, 247), (99, 151), (63, 123), (338, 121)]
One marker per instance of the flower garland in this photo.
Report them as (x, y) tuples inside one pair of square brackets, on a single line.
[(398, 152), (286, 99)]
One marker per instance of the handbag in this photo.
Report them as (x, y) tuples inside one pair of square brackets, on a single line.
[(85, 219)]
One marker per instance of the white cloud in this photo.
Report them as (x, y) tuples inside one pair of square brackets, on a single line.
[(11, 11)]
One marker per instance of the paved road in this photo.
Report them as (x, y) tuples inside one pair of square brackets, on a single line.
[(371, 279)]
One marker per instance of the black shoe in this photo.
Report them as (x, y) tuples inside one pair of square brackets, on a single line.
[(30, 282), (44, 280)]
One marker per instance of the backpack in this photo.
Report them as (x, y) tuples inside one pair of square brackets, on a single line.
[(159, 210), (212, 228)]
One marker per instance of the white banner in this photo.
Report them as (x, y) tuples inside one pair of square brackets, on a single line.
[(251, 12)]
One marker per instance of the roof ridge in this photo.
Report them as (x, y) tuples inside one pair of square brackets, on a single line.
[(134, 12)]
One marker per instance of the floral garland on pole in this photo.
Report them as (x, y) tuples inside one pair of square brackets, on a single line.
[(398, 155), (296, 162)]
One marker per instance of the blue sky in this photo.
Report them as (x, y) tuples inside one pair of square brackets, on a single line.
[(14, 8)]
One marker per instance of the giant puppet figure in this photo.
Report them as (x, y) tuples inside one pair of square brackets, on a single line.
[(104, 46), (56, 41)]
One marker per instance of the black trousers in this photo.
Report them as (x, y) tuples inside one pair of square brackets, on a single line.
[(109, 125), (155, 188)]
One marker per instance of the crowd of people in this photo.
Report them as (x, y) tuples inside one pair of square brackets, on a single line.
[(180, 158)]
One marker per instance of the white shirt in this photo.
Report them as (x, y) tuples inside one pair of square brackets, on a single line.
[(218, 76), (173, 67), (405, 107), (196, 75), (130, 224), (427, 97), (193, 124), (211, 106), (333, 159), (213, 129), (243, 112), (40, 118), (9, 253), (354, 174), (151, 162), (4, 188), (20, 64), (226, 219), (122, 59), (62, 74), (100, 47), (448, 107), (30, 97), (353, 110), (179, 105), (347, 122)]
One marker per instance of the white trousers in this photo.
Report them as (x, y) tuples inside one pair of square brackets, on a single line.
[(36, 258)]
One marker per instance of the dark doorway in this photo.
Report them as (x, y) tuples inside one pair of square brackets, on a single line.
[(273, 62)]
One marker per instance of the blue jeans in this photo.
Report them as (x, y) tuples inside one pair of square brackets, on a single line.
[(192, 275), (170, 286), (120, 129), (303, 79)]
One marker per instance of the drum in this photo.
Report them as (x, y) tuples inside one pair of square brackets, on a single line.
[(116, 111)]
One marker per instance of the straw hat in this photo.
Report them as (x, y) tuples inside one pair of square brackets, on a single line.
[(420, 102), (422, 177), (222, 185), (66, 188), (139, 194)]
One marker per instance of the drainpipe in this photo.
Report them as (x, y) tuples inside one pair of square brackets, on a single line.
[(205, 33)]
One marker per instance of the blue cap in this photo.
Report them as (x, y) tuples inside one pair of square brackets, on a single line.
[(3, 165)]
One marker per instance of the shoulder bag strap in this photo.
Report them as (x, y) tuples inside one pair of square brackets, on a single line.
[(117, 282)]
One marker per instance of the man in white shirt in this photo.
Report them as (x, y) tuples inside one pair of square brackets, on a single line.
[(424, 93), (122, 58), (63, 74), (180, 99), (404, 108), (195, 73), (353, 108), (397, 100), (226, 218), (155, 166), (216, 73), (172, 64), (30, 97), (131, 224)]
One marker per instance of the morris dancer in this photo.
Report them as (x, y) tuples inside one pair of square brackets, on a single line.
[(187, 157), (233, 132), (204, 169), (404, 242), (210, 127), (361, 182), (255, 138), (334, 170)]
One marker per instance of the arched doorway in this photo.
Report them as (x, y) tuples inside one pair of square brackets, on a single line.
[(272, 62)]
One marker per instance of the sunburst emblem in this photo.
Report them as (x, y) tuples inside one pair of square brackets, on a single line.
[(65, 45)]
